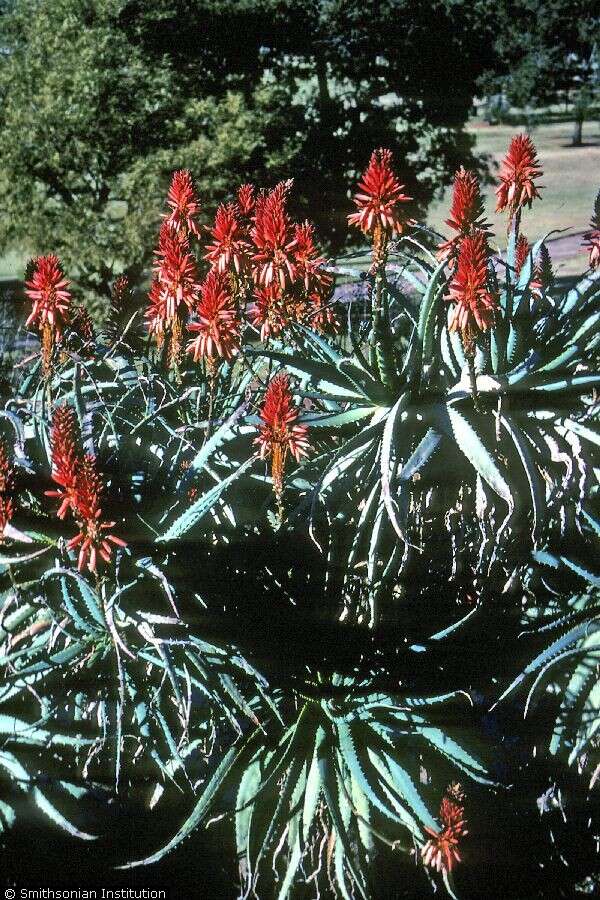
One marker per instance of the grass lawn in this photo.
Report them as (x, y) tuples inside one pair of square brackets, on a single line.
[(571, 181)]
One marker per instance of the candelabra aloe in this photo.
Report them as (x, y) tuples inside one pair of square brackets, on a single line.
[(444, 445)]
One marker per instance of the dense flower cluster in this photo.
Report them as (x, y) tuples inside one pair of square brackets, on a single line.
[(6, 486), (217, 326), (79, 491), (279, 431), (379, 198), (475, 306), (229, 246), (441, 851), (518, 172), (183, 203), (466, 213), (49, 290), (273, 235)]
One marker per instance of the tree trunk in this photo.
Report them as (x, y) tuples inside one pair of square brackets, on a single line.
[(577, 132)]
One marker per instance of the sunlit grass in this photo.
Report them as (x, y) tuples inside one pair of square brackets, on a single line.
[(571, 181)]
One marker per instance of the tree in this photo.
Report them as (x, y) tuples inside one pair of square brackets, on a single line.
[(102, 99), (544, 50)]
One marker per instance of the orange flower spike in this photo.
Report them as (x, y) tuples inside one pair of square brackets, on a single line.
[(441, 851), (218, 326), (229, 246), (183, 201), (474, 305), (518, 172), (592, 237), (379, 197), (279, 431)]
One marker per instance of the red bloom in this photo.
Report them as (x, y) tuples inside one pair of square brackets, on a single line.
[(229, 245), (80, 490), (176, 272), (268, 311), (48, 288), (92, 539), (156, 312), (184, 204), (218, 326), (309, 263), (379, 197), (475, 306), (441, 850), (6, 485), (592, 237), (279, 432), (246, 199), (466, 212), (273, 235), (519, 169), (66, 454), (521, 253)]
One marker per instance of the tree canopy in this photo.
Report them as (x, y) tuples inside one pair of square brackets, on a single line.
[(102, 99)]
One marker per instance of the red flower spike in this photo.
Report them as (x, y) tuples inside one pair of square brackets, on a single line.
[(475, 306), (279, 432), (272, 235), (520, 167), (268, 311), (80, 491), (66, 454), (309, 263), (441, 851), (176, 273), (379, 197), (156, 312), (229, 246), (6, 485), (48, 288), (466, 212), (246, 199), (521, 253), (218, 326), (184, 204), (592, 237)]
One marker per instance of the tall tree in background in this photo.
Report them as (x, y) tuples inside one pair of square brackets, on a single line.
[(102, 99), (545, 51)]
